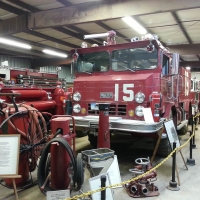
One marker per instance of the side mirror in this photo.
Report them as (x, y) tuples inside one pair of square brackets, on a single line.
[(175, 63)]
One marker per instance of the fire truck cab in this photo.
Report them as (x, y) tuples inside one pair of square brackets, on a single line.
[(130, 77)]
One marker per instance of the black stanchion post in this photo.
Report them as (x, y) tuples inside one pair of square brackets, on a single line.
[(193, 131), (103, 184), (190, 161), (196, 123), (173, 184)]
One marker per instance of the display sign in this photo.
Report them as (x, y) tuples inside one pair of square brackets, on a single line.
[(171, 133), (114, 172), (148, 117), (95, 183), (58, 195), (9, 154)]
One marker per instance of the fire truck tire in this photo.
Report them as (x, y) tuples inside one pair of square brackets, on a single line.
[(48, 164), (164, 148), (42, 171), (93, 140), (80, 172), (80, 133), (182, 131)]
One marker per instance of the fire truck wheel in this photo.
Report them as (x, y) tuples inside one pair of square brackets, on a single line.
[(48, 165), (79, 172), (80, 133), (42, 168), (93, 140), (182, 131), (164, 149)]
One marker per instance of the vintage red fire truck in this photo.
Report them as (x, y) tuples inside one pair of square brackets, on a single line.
[(41, 90), (28, 100), (130, 77)]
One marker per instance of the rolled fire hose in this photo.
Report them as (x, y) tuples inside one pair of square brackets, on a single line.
[(33, 137)]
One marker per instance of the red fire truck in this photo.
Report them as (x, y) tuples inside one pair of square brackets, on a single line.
[(130, 77), (40, 90)]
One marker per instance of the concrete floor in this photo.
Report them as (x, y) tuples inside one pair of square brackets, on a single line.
[(189, 179)]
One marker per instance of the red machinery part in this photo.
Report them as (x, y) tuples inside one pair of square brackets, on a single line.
[(60, 167), (30, 93), (58, 97), (23, 168), (103, 131), (20, 124), (42, 105), (156, 103), (61, 154), (63, 122)]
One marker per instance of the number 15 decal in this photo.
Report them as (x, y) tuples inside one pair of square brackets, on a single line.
[(126, 90)]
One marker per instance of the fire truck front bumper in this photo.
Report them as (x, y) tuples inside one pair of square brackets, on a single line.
[(118, 124)]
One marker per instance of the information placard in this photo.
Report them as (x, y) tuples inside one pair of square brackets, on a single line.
[(58, 195), (148, 117), (114, 172), (9, 154), (171, 133)]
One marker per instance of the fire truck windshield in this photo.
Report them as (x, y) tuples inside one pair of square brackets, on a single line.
[(93, 62), (134, 59)]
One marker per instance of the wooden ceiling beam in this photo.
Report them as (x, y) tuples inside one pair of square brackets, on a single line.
[(104, 10), (71, 33), (184, 49), (46, 37), (24, 5), (12, 9), (181, 27), (64, 2)]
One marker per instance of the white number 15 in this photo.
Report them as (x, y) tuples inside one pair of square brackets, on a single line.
[(129, 92)]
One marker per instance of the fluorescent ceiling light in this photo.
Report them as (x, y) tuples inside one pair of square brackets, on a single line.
[(54, 53), (14, 43), (134, 24)]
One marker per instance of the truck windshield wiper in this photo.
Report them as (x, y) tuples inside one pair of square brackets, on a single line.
[(86, 72), (129, 69)]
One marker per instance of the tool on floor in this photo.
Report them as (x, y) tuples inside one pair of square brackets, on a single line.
[(142, 187)]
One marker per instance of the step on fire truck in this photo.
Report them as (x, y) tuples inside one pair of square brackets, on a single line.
[(130, 77)]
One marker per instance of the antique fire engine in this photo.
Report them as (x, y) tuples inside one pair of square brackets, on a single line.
[(130, 77)]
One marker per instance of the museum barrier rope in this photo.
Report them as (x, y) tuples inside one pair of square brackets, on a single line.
[(86, 194)]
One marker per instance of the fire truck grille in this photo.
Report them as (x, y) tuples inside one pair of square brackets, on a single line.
[(114, 110)]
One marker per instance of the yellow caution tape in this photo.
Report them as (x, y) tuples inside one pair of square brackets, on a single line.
[(86, 194), (197, 115)]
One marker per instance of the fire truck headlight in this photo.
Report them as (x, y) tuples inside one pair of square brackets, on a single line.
[(76, 108), (139, 111), (76, 96), (139, 97)]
